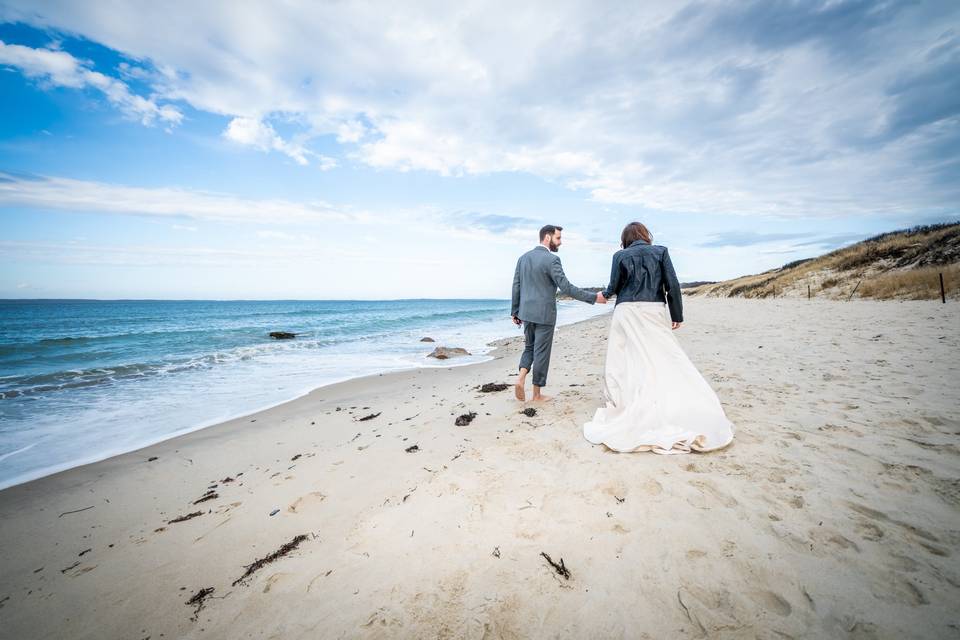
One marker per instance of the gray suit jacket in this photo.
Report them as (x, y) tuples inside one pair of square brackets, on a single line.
[(535, 283)]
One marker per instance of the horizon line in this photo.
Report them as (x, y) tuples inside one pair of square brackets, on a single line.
[(236, 299)]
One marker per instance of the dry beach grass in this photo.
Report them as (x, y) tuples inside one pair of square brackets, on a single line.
[(902, 265), (835, 512), (914, 284)]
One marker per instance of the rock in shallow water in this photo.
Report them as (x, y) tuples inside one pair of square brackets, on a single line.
[(442, 353)]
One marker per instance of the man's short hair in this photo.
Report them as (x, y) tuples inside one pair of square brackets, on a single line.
[(549, 230)]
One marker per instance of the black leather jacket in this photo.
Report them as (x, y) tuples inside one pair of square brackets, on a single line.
[(641, 273)]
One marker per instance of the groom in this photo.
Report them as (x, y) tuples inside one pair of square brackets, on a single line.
[(535, 284)]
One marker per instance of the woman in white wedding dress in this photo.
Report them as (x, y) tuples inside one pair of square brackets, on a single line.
[(656, 400)]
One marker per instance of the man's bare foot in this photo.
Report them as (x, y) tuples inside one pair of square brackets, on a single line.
[(519, 392), (539, 398)]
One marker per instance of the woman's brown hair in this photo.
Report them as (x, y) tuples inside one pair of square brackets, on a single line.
[(633, 232)]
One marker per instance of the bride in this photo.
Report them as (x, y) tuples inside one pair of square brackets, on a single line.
[(656, 400)]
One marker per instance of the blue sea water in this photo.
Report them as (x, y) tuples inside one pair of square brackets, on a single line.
[(81, 380)]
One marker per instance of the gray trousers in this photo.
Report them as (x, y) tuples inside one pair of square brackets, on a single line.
[(536, 351)]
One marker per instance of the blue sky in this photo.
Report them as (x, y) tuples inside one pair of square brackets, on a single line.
[(351, 150)]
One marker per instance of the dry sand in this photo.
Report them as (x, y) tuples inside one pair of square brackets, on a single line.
[(834, 513)]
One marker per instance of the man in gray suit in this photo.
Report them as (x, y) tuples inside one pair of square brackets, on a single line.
[(535, 283)]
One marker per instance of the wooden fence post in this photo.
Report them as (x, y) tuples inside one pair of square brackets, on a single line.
[(943, 295), (854, 290), (808, 292)]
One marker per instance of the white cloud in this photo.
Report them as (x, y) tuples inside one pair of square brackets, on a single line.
[(351, 131), (79, 195), (845, 108), (59, 68), (260, 135), (325, 163)]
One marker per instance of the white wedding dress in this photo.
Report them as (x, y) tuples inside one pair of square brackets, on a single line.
[(656, 400)]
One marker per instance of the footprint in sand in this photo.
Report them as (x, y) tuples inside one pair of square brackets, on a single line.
[(830, 428), (843, 542), (899, 591), (651, 487), (947, 488), (879, 516), (708, 609), (709, 496), (272, 580), (776, 477), (305, 502), (772, 602), (937, 551), (904, 563), (617, 490), (868, 531)]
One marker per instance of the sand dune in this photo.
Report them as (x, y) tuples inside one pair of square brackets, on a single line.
[(834, 513)]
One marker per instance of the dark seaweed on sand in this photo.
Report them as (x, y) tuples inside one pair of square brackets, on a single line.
[(276, 555), (198, 600), (465, 419), (209, 495), (186, 517), (491, 387), (559, 568)]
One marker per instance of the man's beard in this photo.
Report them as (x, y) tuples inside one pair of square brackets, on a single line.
[(554, 247)]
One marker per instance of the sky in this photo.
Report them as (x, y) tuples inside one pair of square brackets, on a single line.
[(355, 150)]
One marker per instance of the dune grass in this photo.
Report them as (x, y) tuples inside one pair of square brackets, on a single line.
[(897, 265), (913, 284)]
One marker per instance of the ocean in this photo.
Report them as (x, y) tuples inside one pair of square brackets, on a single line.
[(82, 380)]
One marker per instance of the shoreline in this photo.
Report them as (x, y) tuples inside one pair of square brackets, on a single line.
[(497, 345), (111, 453), (832, 514), (17, 481)]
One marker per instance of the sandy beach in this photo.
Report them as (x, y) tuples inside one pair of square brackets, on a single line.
[(834, 513)]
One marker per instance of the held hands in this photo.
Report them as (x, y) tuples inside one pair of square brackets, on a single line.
[(600, 298), (517, 321)]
